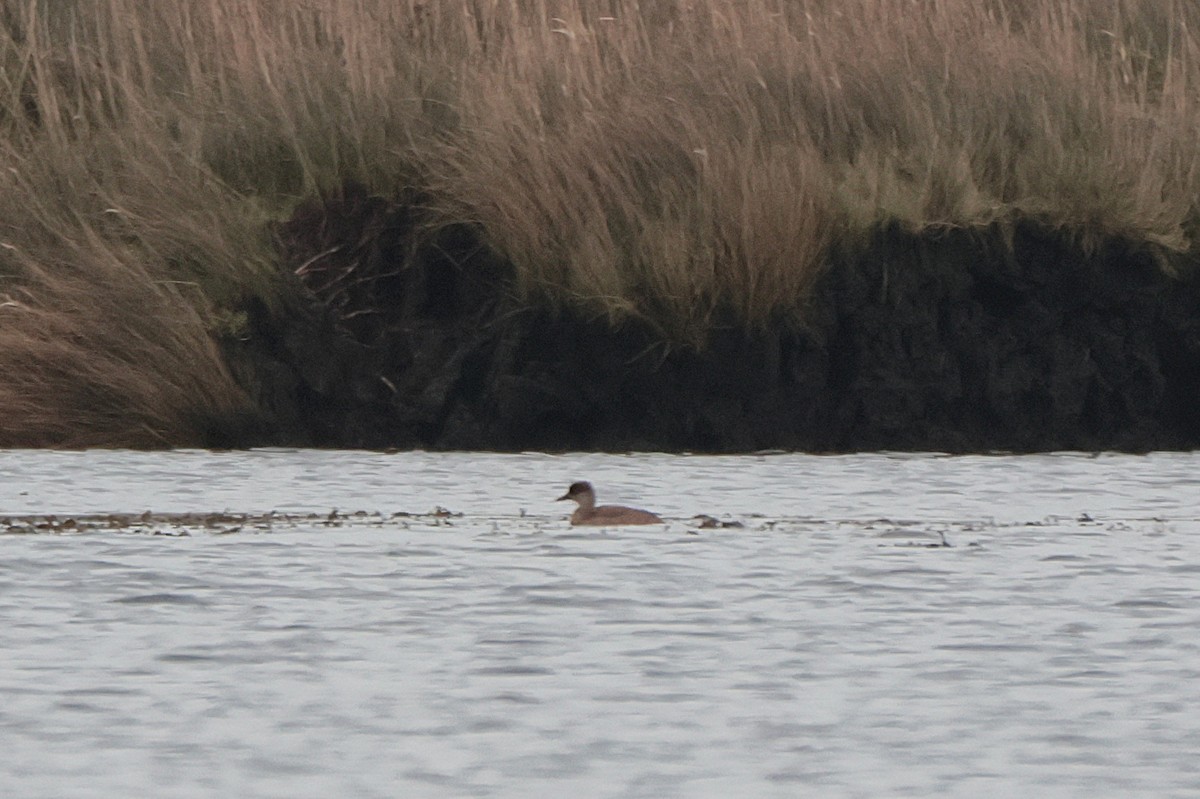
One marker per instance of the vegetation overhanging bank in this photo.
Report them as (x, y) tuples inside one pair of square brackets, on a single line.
[(952, 225)]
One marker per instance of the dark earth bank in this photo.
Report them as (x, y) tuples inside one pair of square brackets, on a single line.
[(1016, 339)]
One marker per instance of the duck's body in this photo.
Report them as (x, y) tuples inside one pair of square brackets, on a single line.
[(588, 513)]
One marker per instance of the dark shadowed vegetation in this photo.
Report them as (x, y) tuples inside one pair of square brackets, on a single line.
[(688, 164)]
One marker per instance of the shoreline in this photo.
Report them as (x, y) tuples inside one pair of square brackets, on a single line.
[(692, 226)]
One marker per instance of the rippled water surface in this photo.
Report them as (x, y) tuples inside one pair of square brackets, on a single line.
[(832, 646)]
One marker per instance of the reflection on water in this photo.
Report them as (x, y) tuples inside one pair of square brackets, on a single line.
[(881, 625)]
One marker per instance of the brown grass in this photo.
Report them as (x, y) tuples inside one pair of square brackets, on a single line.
[(106, 336), (686, 162)]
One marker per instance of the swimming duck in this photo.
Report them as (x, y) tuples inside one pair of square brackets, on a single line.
[(605, 515)]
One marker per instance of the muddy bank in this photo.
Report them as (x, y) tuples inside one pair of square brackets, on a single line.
[(956, 341)]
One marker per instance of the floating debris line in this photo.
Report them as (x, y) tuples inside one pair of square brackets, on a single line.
[(224, 522), (941, 534)]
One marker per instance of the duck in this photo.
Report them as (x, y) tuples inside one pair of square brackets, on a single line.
[(605, 515)]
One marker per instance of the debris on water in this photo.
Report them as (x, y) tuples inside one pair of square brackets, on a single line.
[(706, 522), (912, 539), (216, 522)]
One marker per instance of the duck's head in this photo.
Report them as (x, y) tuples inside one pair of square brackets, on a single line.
[(577, 491)]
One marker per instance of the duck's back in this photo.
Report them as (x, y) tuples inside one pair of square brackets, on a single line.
[(613, 515)]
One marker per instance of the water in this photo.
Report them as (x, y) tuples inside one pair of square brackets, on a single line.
[(830, 647)]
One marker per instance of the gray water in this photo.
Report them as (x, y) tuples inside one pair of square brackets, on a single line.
[(829, 647)]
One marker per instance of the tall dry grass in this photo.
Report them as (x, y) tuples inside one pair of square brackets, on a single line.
[(686, 162)]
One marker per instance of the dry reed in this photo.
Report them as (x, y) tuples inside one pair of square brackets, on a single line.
[(685, 162)]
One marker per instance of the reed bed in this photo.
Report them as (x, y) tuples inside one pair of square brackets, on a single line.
[(688, 163)]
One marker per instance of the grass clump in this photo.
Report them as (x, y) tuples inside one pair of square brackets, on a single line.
[(684, 163)]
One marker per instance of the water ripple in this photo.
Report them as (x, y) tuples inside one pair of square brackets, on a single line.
[(880, 626)]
